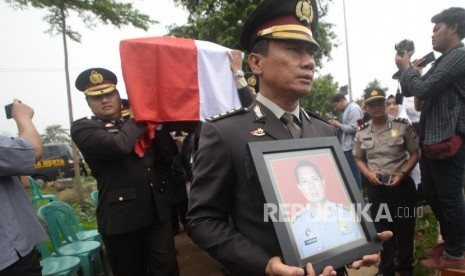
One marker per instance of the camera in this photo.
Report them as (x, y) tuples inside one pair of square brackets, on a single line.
[(403, 46), (8, 108)]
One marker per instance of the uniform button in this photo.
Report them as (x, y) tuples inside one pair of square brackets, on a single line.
[(163, 182), (161, 189), (151, 184), (148, 169), (120, 198)]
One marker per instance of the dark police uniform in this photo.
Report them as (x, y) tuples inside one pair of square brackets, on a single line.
[(386, 151), (132, 214), (225, 185)]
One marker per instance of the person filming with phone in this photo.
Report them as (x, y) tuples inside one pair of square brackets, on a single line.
[(386, 151), (442, 128)]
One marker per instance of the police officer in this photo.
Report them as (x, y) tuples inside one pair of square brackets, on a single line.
[(133, 214), (226, 207), (386, 151), (322, 225)]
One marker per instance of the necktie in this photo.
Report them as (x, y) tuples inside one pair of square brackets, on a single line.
[(294, 129)]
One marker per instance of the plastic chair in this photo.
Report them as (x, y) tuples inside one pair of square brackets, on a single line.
[(36, 195), (75, 226), (94, 197), (58, 265), (64, 240)]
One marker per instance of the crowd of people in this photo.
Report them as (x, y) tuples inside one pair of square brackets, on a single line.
[(142, 199)]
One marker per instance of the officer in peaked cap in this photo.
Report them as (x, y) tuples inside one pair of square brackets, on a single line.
[(133, 213), (226, 199)]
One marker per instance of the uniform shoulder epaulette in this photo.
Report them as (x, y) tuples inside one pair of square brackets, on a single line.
[(226, 114), (401, 120), (81, 119), (316, 116), (363, 126)]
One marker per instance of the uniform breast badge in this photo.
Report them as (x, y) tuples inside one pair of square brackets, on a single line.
[(258, 132), (394, 133)]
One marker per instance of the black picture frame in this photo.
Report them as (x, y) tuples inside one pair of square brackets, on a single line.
[(355, 237)]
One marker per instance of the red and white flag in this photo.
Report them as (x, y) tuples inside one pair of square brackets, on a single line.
[(174, 79)]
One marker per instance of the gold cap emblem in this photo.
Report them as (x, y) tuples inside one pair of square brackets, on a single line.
[(374, 93), (304, 11), (95, 77)]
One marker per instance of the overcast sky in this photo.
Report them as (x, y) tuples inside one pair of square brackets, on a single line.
[(32, 62)]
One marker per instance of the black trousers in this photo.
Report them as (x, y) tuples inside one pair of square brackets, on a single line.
[(149, 251), (393, 208), (27, 265)]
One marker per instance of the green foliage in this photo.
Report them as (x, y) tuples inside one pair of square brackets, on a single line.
[(376, 83), (319, 100), (89, 11), (55, 134), (220, 21)]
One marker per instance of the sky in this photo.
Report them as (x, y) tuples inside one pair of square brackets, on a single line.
[(32, 62)]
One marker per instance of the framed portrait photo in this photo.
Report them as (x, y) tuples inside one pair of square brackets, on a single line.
[(313, 201)]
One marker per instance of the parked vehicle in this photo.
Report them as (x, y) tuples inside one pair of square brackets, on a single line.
[(57, 162)]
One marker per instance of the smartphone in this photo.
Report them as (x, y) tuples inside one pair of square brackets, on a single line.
[(8, 108), (428, 59), (385, 178)]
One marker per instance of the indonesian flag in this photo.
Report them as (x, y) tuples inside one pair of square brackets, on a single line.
[(174, 79)]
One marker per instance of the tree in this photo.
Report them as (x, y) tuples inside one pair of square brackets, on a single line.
[(221, 21), (55, 134), (89, 11), (319, 100)]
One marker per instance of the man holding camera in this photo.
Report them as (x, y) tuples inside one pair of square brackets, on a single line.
[(386, 151), (442, 127), (20, 230)]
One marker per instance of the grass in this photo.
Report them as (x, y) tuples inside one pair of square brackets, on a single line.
[(425, 237)]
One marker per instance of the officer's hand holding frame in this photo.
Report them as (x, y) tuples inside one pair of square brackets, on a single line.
[(274, 163)]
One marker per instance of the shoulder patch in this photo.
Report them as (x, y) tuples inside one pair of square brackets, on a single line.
[(401, 120), (226, 114)]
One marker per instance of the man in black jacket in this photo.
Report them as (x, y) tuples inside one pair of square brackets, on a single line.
[(133, 213)]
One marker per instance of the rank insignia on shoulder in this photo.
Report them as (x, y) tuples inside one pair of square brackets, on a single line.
[(258, 132), (401, 120), (226, 114), (258, 111), (363, 126)]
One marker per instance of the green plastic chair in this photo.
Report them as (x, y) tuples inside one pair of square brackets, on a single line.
[(58, 265), (75, 226), (37, 196), (66, 243), (94, 197)]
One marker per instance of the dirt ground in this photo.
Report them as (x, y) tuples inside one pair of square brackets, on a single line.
[(194, 262)]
